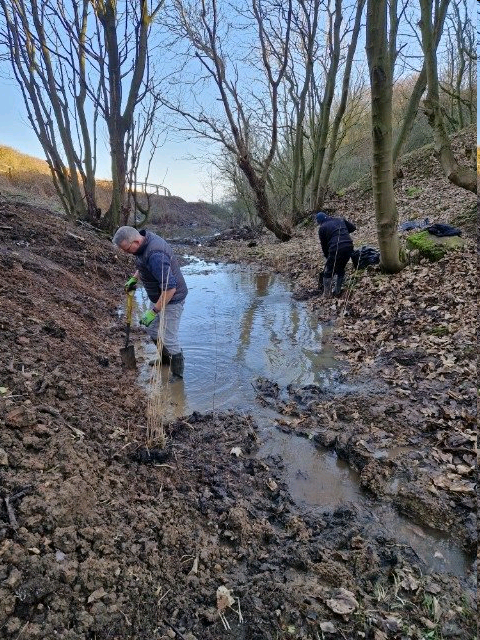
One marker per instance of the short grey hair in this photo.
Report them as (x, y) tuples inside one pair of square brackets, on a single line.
[(125, 235)]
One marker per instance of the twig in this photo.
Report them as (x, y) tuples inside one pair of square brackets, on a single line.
[(462, 450), (164, 595), (9, 499), (224, 621), (72, 235), (11, 514), (240, 616), (78, 432), (22, 492), (22, 629)]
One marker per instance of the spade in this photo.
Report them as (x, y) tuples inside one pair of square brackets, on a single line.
[(127, 353)]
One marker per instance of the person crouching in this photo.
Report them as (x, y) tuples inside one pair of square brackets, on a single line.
[(337, 247)]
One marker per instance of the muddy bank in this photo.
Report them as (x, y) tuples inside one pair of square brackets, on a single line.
[(96, 543)]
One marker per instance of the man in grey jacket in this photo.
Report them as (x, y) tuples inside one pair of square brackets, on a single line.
[(160, 273)]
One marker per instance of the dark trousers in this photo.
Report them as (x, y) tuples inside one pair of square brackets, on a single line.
[(337, 261)]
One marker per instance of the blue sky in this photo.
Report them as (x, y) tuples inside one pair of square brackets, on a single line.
[(171, 167)]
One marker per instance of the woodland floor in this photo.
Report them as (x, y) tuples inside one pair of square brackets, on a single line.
[(97, 544)]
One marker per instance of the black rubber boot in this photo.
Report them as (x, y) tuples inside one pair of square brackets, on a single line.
[(166, 357), (338, 285), (177, 365), (327, 287)]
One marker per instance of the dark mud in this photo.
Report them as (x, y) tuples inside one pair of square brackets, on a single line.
[(97, 540)]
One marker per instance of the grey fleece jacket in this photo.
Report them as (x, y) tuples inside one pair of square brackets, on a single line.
[(159, 269)]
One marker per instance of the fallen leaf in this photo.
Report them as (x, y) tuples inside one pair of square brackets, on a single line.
[(224, 598), (327, 627), (97, 595), (409, 583)]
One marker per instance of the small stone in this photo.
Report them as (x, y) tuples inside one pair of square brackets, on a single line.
[(327, 627), (14, 578), (3, 458), (20, 417), (97, 595)]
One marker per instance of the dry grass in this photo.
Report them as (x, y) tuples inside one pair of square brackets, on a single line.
[(20, 163), (160, 410), (30, 177), (157, 397), (27, 177)]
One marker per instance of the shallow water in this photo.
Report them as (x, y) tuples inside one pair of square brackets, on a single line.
[(240, 324)]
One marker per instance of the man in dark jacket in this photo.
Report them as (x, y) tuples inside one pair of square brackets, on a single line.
[(160, 273), (337, 247)]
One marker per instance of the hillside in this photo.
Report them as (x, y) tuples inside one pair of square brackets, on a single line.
[(99, 541), (28, 179)]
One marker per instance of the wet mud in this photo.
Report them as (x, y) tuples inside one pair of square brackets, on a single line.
[(100, 538)]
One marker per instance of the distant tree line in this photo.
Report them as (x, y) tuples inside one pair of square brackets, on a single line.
[(284, 91)]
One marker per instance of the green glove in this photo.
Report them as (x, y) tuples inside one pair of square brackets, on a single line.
[(148, 317), (130, 284)]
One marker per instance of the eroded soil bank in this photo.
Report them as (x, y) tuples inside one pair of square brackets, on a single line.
[(94, 543)]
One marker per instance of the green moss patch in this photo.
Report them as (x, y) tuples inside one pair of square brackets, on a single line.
[(432, 247)]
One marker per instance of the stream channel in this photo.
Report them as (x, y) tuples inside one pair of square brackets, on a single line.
[(240, 324)]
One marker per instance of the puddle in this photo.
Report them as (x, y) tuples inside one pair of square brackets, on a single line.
[(240, 324), (313, 477), (319, 479)]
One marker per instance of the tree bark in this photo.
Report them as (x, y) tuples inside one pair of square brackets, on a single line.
[(262, 204), (382, 170), (420, 84), (463, 177)]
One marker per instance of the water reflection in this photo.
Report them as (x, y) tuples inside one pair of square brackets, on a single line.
[(239, 324)]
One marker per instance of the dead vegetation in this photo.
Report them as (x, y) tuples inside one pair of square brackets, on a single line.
[(25, 178), (97, 542)]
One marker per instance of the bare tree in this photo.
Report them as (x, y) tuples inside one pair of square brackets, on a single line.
[(459, 175), (458, 81), (82, 67), (381, 53), (314, 113), (280, 125), (204, 27), (144, 128), (330, 137), (420, 83)]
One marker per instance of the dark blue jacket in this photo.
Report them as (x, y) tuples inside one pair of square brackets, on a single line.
[(334, 235), (159, 269)]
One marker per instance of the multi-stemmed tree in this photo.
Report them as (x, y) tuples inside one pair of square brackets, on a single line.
[(83, 69)]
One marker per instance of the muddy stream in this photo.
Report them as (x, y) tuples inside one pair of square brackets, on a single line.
[(240, 324)]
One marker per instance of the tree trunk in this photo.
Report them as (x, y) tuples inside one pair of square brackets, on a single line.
[(420, 84), (262, 203), (333, 137), (463, 177), (321, 128), (382, 170)]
